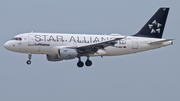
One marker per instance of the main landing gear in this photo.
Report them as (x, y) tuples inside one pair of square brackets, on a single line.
[(81, 64), (29, 61), (88, 62)]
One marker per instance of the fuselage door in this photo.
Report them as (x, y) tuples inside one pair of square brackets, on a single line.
[(134, 43), (30, 40)]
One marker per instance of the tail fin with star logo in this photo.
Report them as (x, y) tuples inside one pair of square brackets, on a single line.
[(155, 26)]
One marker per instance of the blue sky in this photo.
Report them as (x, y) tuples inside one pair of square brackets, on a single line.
[(146, 76)]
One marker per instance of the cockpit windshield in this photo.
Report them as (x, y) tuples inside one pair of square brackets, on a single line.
[(17, 38)]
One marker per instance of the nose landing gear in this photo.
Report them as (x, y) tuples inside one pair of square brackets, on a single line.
[(29, 61)]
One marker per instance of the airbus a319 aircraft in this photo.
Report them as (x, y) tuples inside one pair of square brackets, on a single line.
[(61, 46)]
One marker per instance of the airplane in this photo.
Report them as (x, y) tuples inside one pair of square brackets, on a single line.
[(63, 46)]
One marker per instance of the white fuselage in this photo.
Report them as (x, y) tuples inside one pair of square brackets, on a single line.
[(43, 43)]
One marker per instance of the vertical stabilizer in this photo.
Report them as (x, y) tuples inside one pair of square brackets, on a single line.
[(155, 26)]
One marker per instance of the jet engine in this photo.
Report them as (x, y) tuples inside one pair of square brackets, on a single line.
[(63, 54)]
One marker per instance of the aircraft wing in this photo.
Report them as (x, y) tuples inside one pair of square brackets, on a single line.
[(94, 47)]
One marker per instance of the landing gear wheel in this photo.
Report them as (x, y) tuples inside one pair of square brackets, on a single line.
[(28, 62), (88, 62), (29, 56), (80, 64)]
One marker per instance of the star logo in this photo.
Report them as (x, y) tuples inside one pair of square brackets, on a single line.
[(155, 27)]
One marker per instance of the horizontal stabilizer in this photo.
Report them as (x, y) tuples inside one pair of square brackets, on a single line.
[(159, 42)]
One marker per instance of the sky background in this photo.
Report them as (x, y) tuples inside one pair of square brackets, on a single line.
[(147, 76)]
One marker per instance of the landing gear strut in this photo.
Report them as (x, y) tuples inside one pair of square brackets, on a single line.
[(80, 63), (88, 62), (29, 61)]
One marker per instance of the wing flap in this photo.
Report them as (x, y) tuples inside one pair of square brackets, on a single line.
[(100, 44), (94, 47)]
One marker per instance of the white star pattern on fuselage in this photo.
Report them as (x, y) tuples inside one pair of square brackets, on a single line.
[(155, 27)]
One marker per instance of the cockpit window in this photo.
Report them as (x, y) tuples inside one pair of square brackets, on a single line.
[(17, 38)]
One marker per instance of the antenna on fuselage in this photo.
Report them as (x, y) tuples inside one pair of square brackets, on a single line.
[(31, 31)]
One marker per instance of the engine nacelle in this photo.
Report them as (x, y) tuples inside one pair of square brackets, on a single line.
[(66, 53), (63, 54), (53, 57)]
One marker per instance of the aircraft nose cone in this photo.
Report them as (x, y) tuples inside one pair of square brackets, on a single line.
[(7, 45)]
